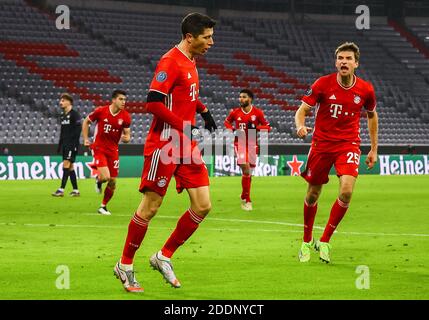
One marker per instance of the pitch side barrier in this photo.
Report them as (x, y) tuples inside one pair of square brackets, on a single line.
[(273, 149), (39, 167)]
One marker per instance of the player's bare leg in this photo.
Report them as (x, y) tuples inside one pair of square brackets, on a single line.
[(149, 205), (186, 226), (338, 211), (310, 210), (102, 177), (200, 200), (137, 228), (66, 167), (246, 180)]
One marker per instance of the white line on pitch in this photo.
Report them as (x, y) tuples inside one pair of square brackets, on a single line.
[(223, 219), (218, 229), (44, 225), (292, 225)]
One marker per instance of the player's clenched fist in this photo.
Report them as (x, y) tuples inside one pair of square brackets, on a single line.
[(86, 143), (371, 159), (125, 138), (303, 131)]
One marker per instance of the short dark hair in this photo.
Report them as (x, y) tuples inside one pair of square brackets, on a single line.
[(67, 96), (248, 92), (116, 93), (348, 46), (195, 23)]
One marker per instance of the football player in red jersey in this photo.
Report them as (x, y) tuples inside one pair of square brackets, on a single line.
[(245, 121), (173, 101), (113, 126), (338, 99)]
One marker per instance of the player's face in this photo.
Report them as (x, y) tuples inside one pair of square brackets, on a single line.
[(64, 103), (346, 63), (244, 100), (119, 101), (201, 44)]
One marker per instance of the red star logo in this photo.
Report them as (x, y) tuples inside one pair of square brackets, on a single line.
[(92, 168), (295, 166)]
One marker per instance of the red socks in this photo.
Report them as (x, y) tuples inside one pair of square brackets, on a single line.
[(136, 232), (186, 226), (309, 215), (137, 228), (246, 181), (338, 211), (108, 194)]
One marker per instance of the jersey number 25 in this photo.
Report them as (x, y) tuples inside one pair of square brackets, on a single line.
[(353, 158)]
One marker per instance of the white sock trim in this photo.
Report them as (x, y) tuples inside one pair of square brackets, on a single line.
[(161, 256), (126, 267)]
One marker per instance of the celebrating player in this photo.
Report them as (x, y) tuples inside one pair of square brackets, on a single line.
[(244, 120), (173, 100), (113, 126), (69, 143), (338, 98)]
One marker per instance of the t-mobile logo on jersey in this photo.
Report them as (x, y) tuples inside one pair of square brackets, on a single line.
[(107, 127), (335, 110), (193, 91)]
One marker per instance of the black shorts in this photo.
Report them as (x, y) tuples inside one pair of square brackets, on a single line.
[(69, 153)]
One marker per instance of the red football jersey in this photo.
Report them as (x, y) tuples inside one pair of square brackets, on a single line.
[(176, 77), (109, 127), (338, 109), (238, 119)]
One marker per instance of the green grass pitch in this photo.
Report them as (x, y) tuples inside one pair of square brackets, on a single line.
[(233, 255)]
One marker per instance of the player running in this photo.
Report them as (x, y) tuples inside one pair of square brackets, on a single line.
[(113, 126), (245, 121), (173, 100), (338, 98), (71, 124)]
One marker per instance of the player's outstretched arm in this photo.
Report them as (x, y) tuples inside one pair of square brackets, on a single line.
[(126, 135), (156, 105), (301, 129), (85, 132), (371, 159)]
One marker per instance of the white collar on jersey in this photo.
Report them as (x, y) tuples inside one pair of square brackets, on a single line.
[(114, 115), (251, 108), (177, 47), (347, 88)]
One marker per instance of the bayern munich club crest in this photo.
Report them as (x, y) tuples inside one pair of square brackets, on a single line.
[(120, 121), (162, 182), (161, 76), (253, 118), (357, 99)]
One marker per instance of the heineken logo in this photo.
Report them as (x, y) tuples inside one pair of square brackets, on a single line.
[(391, 165), (227, 165), (29, 168)]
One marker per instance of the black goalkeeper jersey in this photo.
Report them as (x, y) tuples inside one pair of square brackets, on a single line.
[(71, 126)]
